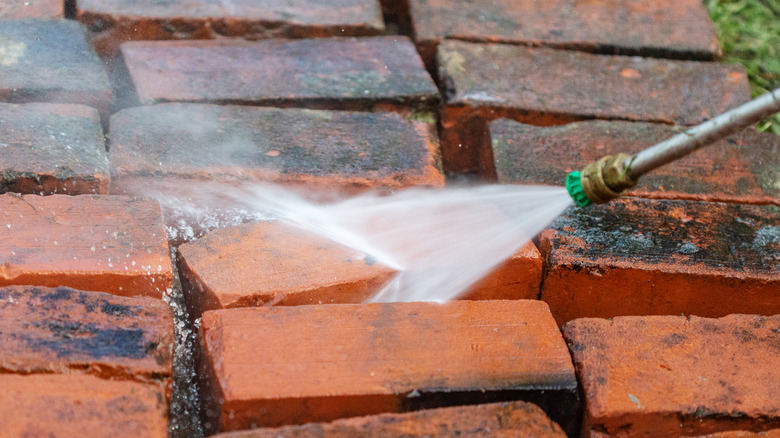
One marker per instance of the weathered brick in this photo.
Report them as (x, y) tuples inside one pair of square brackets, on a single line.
[(113, 23), (520, 277), (667, 28), (774, 433), (659, 257), (542, 86), (274, 263), (57, 405), (327, 73), (32, 9), (271, 366), (488, 420), (62, 331), (51, 61), (325, 149), (676, 376), (52, 148), (103, 243), (741, 168)]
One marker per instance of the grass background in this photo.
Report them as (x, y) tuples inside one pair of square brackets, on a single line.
[(749, 32)]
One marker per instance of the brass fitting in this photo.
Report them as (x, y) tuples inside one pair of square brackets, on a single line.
[(605, 179)]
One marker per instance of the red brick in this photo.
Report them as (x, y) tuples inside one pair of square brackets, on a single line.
[(274, 263), (324, 149), (774, 433), (488, 420), (667, 28), (649, 257), (51, 61), (518, 278), (59, 405), (676, 376), (327, 73), (741, 168), (104, 243), (52, 148), (62, 331), (33, 9), (113, 23), (271, 366), (543, 86)]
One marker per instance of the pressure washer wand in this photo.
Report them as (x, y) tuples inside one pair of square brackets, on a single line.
[(604, 180)]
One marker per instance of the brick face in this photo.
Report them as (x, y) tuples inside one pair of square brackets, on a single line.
[(738, 169), (33, 9)]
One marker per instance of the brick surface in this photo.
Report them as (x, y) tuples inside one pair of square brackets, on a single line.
[(51, 61), (543, 86), (113, 23), (274, 263), (62, 330), (321, 149), (774, 433), (327, 73), (52, 148), (678, 29), (520, 277), (741, 168), (55, 405), (32, 9), (90, 242), (488, 420), (675, 376), (272, 366), (649, 257)]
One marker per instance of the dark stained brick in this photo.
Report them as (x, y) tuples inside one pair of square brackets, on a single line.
[(659, 257), (744, 168), (119, 21), (328, 73), (542, 86), (677, 376), (52, 148), (51, 61)]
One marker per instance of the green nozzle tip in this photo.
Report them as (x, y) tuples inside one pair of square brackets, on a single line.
[(574, 186)]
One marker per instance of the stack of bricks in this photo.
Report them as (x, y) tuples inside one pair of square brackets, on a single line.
[(656, 315)]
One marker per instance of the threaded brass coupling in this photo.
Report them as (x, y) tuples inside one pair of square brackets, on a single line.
[(601, 181)]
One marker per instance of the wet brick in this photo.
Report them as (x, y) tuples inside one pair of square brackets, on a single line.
[(271, 366), (488, 420), (61, 405), (659, 257), (113, 23), (677, 376), (103, 243), (32, 9), (62, 330), (274, 263), (520, 277), (51, 61), (52, 148), (323, 149), (382, 73), (542, 86), (677, 29), (742, 168)]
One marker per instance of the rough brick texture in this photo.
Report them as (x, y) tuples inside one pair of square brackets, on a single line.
[(51, 61), (274, 263), (113, 23), (104, 243), (543, 86), (33, 9), (55, 405), (326, 73), (52, 148), (677, 376), (488, 420), (62, 330), (742, 168), (271, 366), (667, 28), (318, 149), (648, 257)]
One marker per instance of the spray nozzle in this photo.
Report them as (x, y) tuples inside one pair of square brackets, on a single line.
[(600, 181)]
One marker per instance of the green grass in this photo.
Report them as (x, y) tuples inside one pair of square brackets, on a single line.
[(749, 32)]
